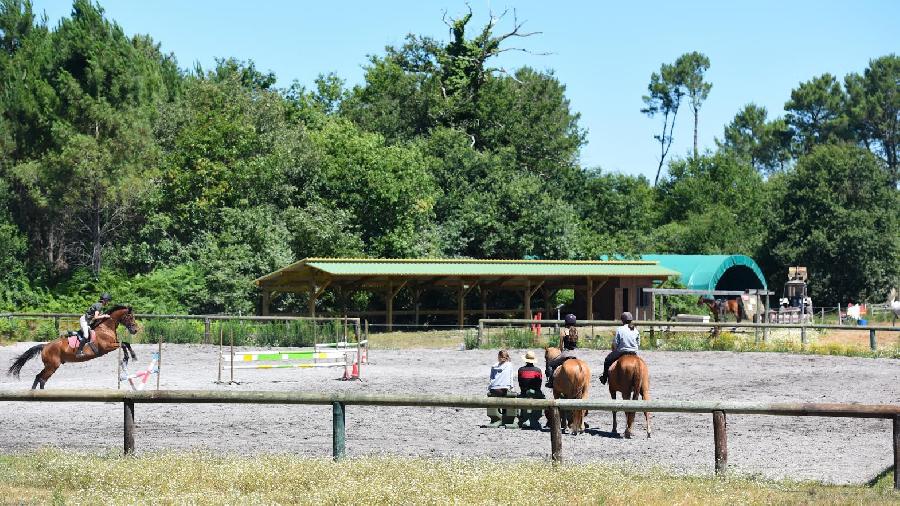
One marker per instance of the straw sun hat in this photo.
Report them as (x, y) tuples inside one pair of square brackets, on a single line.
[(529, 357)]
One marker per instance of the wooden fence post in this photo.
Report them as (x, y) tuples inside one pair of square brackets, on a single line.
[(207, 335), (873, 344), (338, 435), (480, 332), (721, 441), (129, 426), (555, 436), (896, 452)]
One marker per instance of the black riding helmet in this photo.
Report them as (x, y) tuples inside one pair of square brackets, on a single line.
[(570, 320), (105, 297)]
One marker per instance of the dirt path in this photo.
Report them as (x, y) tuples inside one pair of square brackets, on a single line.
[(828, 449)]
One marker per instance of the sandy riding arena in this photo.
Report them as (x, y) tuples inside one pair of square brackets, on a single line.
[(836, 450)]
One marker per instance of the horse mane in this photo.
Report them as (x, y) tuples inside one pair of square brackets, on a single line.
[(117, 308)]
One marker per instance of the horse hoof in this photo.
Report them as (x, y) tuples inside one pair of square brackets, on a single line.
[(648, 435), (627, 435)]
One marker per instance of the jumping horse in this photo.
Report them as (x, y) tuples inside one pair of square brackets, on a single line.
[(58, 352), (630, 377), (719, 307), (571, 380)]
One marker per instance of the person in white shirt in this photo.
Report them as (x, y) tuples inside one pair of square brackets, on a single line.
[(626, 342), (501, 376)]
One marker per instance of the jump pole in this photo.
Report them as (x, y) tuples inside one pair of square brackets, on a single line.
[(219, 376), (231, 380), (159, 364)]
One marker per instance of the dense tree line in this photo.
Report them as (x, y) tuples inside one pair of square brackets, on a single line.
[(175, 188)]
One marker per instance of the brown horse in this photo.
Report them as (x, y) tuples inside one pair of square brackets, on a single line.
[(58, 352), (719, 307), (571, 380), (629, 376)]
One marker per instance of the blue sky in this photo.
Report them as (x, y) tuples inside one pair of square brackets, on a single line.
[(603, 52)]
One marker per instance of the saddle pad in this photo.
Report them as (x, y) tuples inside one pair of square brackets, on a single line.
[(73, 340)]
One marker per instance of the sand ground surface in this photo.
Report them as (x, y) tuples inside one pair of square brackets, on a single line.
[(833, 450)]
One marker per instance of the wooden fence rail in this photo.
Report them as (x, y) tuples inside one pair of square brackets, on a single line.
[(339, 402), (661, 325)]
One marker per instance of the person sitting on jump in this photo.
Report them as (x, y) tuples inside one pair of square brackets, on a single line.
[(92, 315), (626, 342), (568, 342)]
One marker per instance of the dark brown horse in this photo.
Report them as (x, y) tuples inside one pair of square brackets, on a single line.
[(630, 377), (58, 352), (719, 307)]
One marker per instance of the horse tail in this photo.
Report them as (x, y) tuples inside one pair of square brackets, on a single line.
[(741, 313), (17, 364)]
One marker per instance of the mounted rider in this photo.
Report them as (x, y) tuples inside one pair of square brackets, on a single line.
[(626, 342), (568, 342), (89, 319)]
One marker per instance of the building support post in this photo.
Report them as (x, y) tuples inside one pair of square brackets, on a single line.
[(389, 305), (312, 299), (589, 299), (264, 303), (461, 305), (527, 300)]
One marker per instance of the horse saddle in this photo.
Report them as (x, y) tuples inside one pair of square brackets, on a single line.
[(76, 339)]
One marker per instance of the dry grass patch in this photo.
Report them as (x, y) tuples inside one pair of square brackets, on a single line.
[(53, 476), (432, 339)]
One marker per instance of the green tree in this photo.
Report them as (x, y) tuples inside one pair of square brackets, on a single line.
[(838, 216), (386, 188), (83, 135), (765, 144), (715, 204), (874, 109), (229, 143), (816, 112), (664, 99), (619, 213), (691, 68)]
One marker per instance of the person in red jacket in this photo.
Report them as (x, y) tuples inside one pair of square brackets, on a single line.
[(530, 379)]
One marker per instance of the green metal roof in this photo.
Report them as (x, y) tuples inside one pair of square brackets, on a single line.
[(465, 267), (708, 272)]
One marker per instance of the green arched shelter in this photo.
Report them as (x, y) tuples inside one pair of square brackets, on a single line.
[(714, 272)]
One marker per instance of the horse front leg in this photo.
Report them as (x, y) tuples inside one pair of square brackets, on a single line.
[(129, 350)]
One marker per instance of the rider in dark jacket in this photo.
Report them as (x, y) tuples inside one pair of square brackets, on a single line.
[(568, 342)]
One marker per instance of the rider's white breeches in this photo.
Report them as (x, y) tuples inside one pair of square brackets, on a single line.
[(85, 329)]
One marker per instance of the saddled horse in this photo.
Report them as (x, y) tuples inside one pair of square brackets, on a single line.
[(719, 307), (58, 352), (571, 380), (630, 377)]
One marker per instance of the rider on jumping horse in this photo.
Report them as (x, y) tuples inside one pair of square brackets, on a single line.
[(94, 314)]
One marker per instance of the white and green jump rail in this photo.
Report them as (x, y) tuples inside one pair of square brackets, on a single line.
[(250, 359)]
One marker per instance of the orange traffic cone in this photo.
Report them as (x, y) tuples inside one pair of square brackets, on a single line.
[(353, 373)]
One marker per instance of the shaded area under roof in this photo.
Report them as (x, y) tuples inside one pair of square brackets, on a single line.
[(714, 272)]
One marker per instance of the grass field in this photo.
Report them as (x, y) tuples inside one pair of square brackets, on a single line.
[(55, 477)]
